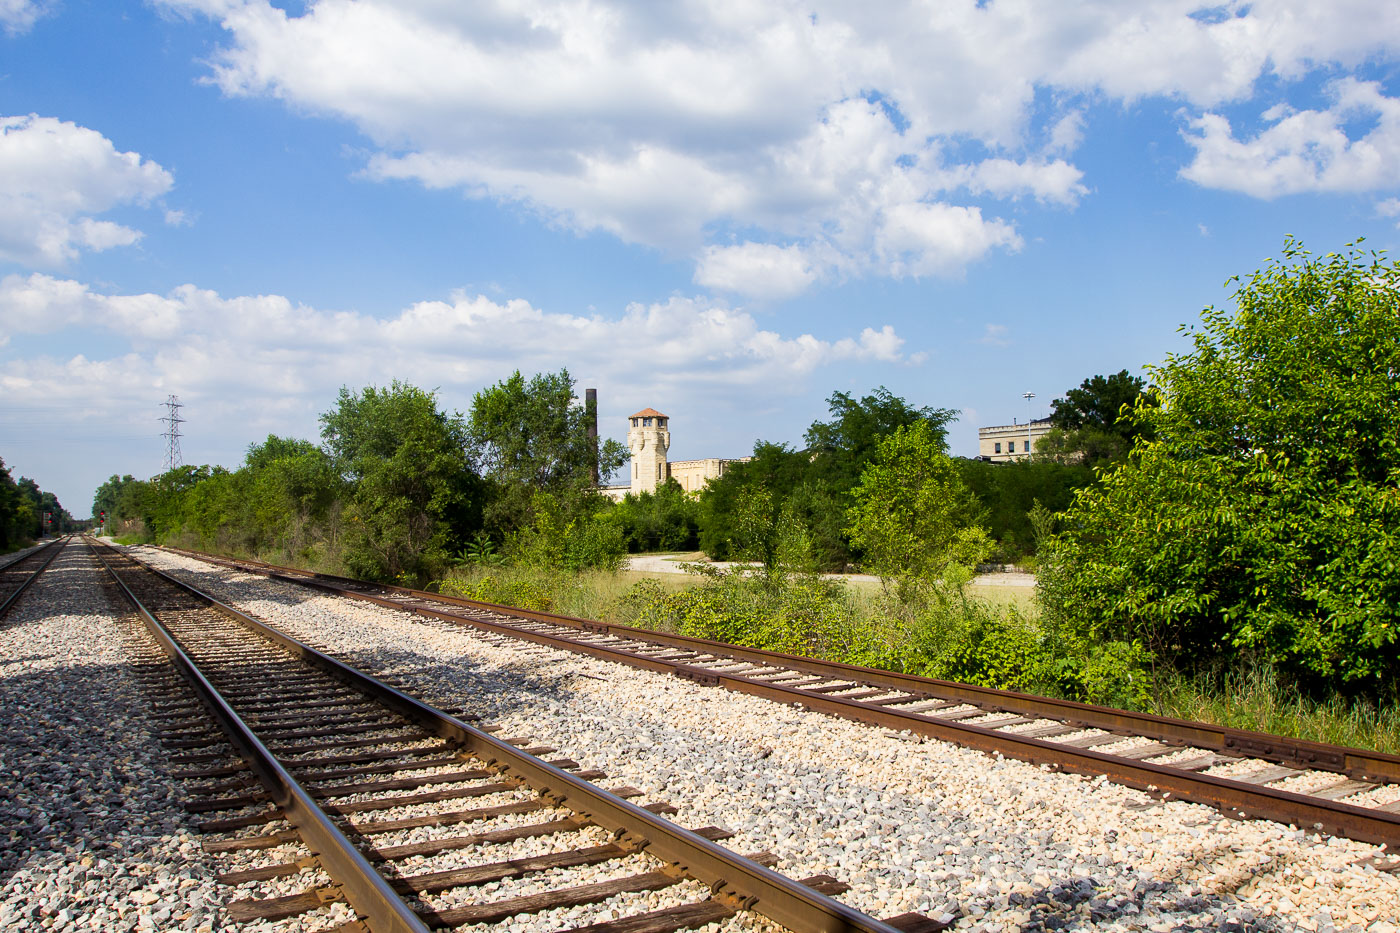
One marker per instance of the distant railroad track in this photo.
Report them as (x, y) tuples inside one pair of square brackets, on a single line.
[(330, 749), (17, 573), (1313, 786)]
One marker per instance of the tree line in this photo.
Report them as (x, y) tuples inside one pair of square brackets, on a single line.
[(1240, 511), (23, 506), (400, 489)]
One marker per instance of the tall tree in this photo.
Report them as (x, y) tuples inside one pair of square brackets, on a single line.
[(913, 517), (1090, 420), (415, 496), (530, 437), (1261, 521)]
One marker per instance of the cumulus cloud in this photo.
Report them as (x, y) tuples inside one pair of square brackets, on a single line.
[(18, 16), (761, 270), (268, 352), (1309, 150), (779, 144), (56, 175)]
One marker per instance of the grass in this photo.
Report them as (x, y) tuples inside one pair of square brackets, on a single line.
[(1257, 702)]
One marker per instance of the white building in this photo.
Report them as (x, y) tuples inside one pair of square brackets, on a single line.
[(649, 439)]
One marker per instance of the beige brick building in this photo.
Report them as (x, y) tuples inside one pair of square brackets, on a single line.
[(1003, 442), (649, 439)]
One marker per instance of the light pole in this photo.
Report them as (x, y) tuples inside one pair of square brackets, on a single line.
[(1028, 396)]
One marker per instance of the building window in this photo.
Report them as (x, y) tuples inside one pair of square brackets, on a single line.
[(661, 422), (1011, 447), (634, 422), (646, 422), (658, 471), (998, 447)]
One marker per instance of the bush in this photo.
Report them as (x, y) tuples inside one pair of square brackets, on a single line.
[(1258, 527)]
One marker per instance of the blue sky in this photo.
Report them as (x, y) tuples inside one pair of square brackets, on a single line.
[(723, 210)]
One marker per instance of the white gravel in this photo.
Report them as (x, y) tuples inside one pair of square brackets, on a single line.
[(910, 825), (92, 836)]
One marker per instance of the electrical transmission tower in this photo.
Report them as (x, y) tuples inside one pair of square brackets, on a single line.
[(172, 421)]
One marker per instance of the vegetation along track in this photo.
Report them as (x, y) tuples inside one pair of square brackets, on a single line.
[(331, 751), (1345, 791), (17, 573)]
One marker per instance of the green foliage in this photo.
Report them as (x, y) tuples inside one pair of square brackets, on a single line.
[(1089, 427), (1007, 493), (664, 520), (556, 541), (413, 492), (1259, 525), (913, 516), (22, 508), (529, 438), (815, 483)]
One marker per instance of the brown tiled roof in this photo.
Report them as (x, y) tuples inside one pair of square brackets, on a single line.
[(647, 413)]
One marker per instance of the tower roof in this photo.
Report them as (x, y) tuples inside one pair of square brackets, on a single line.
[(648, 413)]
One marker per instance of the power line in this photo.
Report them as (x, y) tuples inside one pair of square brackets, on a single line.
[(173, 421)]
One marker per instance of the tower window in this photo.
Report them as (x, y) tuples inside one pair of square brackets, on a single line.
[(634, 422), (646, 422)]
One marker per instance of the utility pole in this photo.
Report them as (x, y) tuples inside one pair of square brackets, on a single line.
[(1028, 396), (172, 421)]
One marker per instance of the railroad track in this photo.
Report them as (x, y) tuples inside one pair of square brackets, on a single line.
[(17, 573), (393, 808), (1343, 791)]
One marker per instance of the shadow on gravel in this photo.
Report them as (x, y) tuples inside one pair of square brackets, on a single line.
[(72, 783), (465, 683)]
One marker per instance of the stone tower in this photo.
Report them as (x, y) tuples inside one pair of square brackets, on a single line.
[(649, 439)]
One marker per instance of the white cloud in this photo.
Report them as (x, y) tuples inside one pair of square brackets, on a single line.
[(1309, 150), (55, 175), (819, 130), (1390, 207), (759, 270), (269, 353), (18, 16)]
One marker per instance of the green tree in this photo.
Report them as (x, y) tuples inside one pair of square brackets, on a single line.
[(1089, 425), (1009, 491), (1259, 525), (414, 496), (530, 437), (913, 517), (664, 520)]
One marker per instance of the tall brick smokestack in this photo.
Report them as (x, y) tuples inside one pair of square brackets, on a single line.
[(590, 409)]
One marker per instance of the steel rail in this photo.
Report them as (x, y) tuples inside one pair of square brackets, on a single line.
[(740, 883), (1361, 764), (364, 888), (53, 547), (1236, 798)]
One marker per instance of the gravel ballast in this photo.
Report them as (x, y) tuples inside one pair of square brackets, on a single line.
[(92, 836), (909, 824)]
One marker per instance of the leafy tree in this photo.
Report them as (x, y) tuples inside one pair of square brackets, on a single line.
[(11, 532), (1089, 427), (664, 520), (814, 485), (414, 496), (1259, 524), (913, 517), (1009, 491), (530, 437)]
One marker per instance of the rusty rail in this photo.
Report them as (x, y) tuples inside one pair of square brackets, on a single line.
[(52, 549)]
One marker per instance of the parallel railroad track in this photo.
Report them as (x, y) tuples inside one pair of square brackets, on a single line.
[(17, 573), (1344, 791), (353, 765)]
